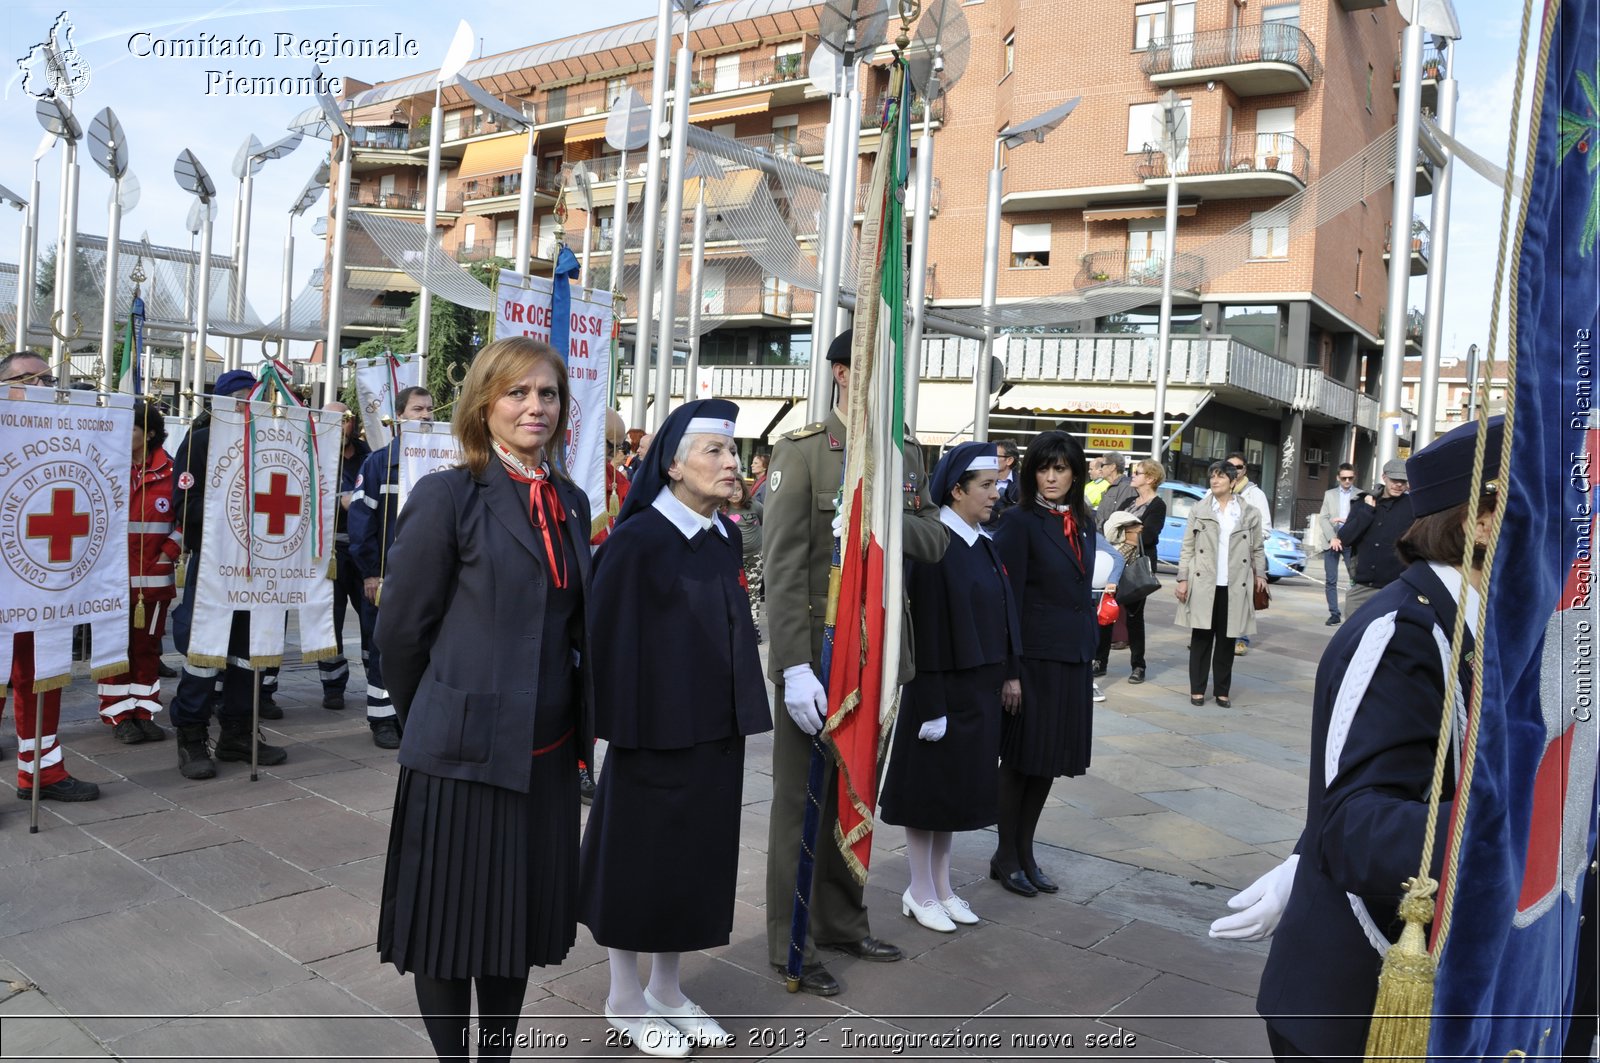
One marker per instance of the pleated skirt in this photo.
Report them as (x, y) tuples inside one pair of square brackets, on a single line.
[(660, 857), (480, 880), (952, 784), (1052, 734)]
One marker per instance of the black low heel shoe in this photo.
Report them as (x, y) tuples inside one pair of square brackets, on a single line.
[(1016, 882), (1040, 881)]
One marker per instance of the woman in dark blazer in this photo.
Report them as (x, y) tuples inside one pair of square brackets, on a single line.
[(481, 630), (1048, 545)]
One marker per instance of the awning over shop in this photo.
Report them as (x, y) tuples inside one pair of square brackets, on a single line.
[(718, 110), (1134, 211), (1074, 399), (382, 280), (499, 155), (729, 193), (756, 415)]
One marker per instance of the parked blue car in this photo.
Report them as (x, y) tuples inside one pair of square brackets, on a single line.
[(1285, 555)]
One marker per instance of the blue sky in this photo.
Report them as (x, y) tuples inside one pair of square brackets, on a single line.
[(164, 105)]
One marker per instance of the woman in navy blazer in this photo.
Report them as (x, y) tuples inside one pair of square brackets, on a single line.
[(482, 632), (1047, 543)]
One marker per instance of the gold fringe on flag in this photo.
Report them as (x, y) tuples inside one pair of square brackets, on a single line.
[(274, 661), (1400, 1016), (106, 671), (310, 656), (55, 682), (206, 660)]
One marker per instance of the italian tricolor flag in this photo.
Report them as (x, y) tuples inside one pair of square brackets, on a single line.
[(864, 607)]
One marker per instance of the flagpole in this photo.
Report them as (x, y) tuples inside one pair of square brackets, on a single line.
[(1408, 121), (826, 305), (242, 262), (184, 400), (697, 267), (1439, 227), (919, 254), (335, 281), (286, 289), (672, 227), (66, 256), (24, 277), (645, 311), (230, 348), (108, 311), (525, 208), (202, 305)]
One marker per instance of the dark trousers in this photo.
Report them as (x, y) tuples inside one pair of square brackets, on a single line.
[(1134, 616), (347, 591), (1330, 569), (191, 702), (838, 904), (1211, 650)]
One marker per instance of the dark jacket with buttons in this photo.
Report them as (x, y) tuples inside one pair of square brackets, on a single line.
[(463, 613), (1372, 531), (1050, 584)]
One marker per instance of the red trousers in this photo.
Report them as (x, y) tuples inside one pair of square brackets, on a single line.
[(36, 723), (137, 692)]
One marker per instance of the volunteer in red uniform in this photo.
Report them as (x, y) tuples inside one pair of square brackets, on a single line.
[(130, 700)]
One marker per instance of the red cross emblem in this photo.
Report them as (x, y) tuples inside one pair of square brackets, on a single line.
[(63, 525), (277, 504)]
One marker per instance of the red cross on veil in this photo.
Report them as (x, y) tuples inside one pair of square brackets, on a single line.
[(63, 525), (277, 504)]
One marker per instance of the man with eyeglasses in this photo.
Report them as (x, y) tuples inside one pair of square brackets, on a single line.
[(1326, 528), (26, 368), (1371, 531)]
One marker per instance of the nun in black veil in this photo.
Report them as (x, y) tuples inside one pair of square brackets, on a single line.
[(678, 687)]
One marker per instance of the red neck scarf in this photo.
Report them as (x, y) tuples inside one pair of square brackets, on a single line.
[(1069, 527), (544, 510)]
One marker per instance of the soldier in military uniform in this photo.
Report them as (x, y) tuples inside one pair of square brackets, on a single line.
[(803, 484)]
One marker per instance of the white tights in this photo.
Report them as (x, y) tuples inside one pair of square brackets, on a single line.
[(928, 853), (627, 995)]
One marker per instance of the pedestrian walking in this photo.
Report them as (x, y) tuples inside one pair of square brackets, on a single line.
[(1220, 566)]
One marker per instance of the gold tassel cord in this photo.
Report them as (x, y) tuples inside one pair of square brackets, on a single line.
[(138, 612), (1405, 988)]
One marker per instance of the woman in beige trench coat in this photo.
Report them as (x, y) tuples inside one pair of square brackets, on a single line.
[(1222, 561)]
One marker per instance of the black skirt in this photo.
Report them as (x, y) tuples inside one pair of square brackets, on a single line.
[(482, 881), (952, 784), (660, 858), (1052, 734)]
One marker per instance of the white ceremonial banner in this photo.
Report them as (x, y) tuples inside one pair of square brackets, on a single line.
[(66, 466), (379, 382), (425, 447), (271, 492), (523, 308)]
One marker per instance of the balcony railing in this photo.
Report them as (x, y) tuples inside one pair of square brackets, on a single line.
[(1421, 239), (1433, 61), (1265, 42), (489, 186), (386, 138), (739, 381), (872, 110), (378, 315), (481, 253), (1236, 153), (764, 68), (1140, 269), (372, 198)]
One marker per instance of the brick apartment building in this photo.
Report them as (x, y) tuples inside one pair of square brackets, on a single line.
[(1277, 355)]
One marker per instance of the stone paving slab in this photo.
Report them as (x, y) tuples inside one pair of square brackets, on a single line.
[(231, 898)]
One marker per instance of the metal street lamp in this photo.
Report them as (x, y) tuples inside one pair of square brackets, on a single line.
[(454, 60), (1035, 129), (55, 114), (192, 177)]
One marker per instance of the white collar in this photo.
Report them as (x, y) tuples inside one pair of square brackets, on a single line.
[(1231, 507), (1453, 581), (953, 520), (682, 517)]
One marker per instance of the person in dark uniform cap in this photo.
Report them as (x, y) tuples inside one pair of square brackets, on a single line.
[(1375, 726), (803, 484), (667, 586), (943, 773)]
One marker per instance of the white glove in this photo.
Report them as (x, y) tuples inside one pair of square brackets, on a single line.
[(1259, 906), (932, 731), (804, 697), (838, 513)]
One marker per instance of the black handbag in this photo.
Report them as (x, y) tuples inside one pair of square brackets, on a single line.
[(1138, 581)]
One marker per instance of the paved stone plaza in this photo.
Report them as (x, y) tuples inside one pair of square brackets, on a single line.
[(228, 919)]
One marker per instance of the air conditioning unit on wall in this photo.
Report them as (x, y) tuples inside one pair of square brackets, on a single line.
[(1313, 456)]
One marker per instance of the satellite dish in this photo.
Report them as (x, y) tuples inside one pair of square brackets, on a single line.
[(126, 192), (195, 220), (460, 51), (246, 157), (110, 144), (628, 124), (853, 28), (937, 56), (192, 177), (57, 118)]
